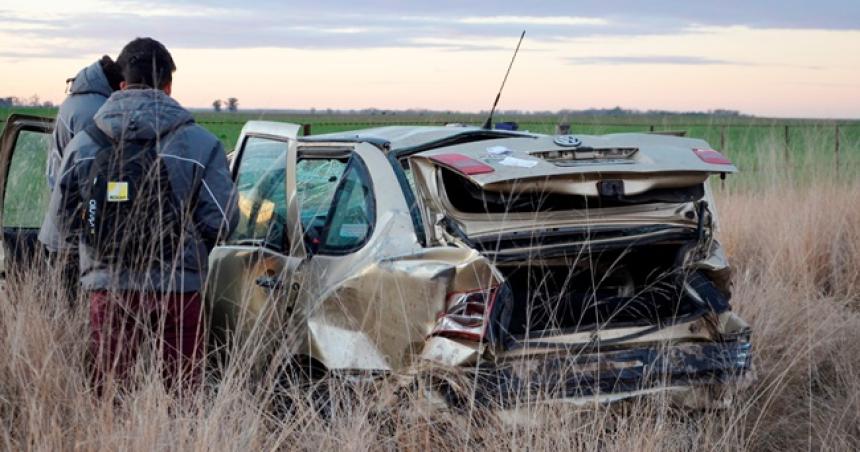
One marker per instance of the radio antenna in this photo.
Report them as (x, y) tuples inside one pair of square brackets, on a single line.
[(489, 123)]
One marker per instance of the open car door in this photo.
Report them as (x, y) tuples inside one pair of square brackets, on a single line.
[(24, 193), (251, 272)]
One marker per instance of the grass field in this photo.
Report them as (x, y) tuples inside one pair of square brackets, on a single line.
[(791, 228), (795, 245)]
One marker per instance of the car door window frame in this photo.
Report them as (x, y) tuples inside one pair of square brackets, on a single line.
[(325, 208), (355, 163), (15, 250), (400, 168), (16, 124), (237, 164), (240, 154)]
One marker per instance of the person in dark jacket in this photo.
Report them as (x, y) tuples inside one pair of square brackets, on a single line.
[(124, 299), (89, 90)]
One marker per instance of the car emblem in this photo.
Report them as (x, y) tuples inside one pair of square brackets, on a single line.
[(568, 141)]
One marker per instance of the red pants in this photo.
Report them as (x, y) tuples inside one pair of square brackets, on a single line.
[(120, 321)]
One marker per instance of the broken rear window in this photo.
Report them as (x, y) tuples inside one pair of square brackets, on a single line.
[(468, 197)]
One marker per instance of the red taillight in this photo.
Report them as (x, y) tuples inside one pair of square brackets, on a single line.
[(712, 156), (463, 164), (465, 315)]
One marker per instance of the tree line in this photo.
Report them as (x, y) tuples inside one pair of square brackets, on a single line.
[(231, 103), (32, 101)]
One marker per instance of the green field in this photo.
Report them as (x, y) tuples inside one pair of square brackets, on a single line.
[(795, 141)]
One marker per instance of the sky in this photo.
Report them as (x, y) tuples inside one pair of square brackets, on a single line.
[(784, 58)]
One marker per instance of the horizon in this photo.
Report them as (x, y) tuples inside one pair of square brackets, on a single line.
[(771, 59), (584, 112)]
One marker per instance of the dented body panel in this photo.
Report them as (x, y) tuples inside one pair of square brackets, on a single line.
[(387, 310)]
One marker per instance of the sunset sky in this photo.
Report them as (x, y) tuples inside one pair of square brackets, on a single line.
[(771, 58)]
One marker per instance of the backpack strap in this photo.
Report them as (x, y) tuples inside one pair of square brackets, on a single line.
[(99, 138)]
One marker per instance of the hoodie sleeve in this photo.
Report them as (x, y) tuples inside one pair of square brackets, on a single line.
[(59, 228), (216, 214), (59, 139)]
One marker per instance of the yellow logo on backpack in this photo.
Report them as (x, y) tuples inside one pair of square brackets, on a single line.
[(117, 191)]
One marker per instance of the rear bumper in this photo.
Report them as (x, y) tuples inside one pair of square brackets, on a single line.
[(613, 375)]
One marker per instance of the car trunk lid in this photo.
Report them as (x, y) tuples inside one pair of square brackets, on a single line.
[(510, 194), (547, 157)]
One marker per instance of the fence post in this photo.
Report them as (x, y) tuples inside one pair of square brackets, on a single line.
[(837, 149), (787, 145), (723, 138), (306, 129), (562, 129)]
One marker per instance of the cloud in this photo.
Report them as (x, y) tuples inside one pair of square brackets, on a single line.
[(35, 54), (533, 20), (675, 60), (824, 14), (477, 25), (681, 60), (225, 29)]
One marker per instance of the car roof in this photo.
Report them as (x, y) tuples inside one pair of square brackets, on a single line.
[(414, 138)]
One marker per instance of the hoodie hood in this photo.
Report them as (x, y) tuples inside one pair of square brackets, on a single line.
[(140, 114), (91, 80)]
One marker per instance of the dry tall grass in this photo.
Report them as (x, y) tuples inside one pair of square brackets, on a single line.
[(795, 245)]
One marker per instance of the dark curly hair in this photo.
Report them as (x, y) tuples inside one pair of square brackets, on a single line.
[(112, 72), (145, 61)]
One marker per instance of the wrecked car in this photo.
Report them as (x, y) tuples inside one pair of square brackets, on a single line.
[(575, 268)]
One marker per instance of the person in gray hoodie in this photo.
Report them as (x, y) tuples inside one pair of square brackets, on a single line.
[(124, 298), (89, 90), (87, 93)]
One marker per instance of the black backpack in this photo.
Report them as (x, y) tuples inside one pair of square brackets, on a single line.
[(130, 214)]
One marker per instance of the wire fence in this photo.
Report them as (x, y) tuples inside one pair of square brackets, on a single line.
[(840, 137), (718, 135)]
